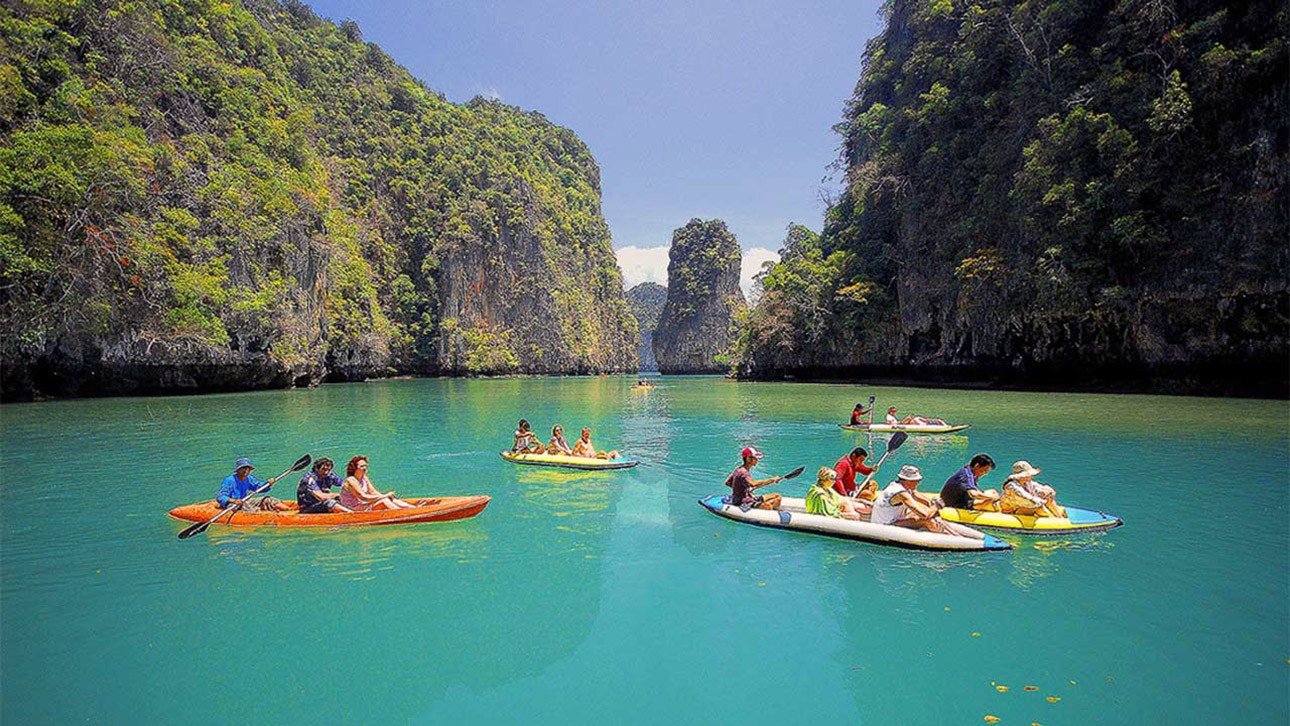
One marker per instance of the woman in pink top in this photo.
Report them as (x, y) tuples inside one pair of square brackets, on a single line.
[(358, 494)]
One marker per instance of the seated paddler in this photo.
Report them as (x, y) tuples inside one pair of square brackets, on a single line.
[(238, 487), (824, 500), (314, 494)]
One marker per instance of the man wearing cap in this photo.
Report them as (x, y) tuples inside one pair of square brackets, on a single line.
[(240, 484), (901, 505), (847, 467), (742, 484), (314, 495)]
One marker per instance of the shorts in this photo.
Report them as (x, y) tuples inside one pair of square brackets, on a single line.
[(323, 507)]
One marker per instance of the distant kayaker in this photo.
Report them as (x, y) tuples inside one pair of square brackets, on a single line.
[(858, 413), (583, 447), (557, 444), (1025, 496), (847, 467), (961, 490), (314, 494), (525, 440), (238, 486), (742, 485), (901, 505), (358, 494), (823, 499)]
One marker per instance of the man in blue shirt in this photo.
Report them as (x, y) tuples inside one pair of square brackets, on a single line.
[(240, 484), (314, 495), (961, 492)]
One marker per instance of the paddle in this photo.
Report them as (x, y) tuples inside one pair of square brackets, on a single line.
[(895, 442), (200, 527), (790, 475)]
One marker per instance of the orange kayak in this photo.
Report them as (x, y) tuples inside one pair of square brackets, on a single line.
[(430, 509)]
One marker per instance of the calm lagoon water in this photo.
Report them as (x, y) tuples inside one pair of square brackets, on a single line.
[(613, 597)]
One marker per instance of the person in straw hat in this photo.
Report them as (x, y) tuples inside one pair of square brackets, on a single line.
[(902, 505), (1025, 496)]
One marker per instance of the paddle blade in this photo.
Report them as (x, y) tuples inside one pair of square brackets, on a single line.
[(897, 439), (795, 473), (301, 463), (194, 529)]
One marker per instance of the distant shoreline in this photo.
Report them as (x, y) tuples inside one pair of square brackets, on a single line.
[(1255, 390), (1162, 385)]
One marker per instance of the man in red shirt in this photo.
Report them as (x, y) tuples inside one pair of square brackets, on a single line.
[(847, 467)]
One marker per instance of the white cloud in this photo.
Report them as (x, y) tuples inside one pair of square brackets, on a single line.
[(752, 262), (649, 264), (643, 264)]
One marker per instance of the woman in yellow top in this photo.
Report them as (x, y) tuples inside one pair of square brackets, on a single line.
[(822, 499)]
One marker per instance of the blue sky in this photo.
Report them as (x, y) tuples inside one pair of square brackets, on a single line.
[(696, 109)]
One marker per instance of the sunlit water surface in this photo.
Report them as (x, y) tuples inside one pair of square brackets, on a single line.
[(613, 597)]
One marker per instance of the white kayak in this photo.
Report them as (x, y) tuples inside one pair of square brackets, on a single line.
[(792, 515), (907, 428)]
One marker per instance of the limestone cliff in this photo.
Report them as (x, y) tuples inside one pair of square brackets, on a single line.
[(646, 303), (244, 195), (703, 295), (1073, 193)]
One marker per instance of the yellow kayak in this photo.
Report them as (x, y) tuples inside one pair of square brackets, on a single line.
[(569, 462), (1076, 520)]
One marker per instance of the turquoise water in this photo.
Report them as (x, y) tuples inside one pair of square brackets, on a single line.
[(613, 597)]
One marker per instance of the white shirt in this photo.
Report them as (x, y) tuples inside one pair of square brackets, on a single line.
[(884, 510), (892, 420)]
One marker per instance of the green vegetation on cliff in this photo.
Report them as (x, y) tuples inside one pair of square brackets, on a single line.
[(1051, 190), (703, 297), (223, 183)]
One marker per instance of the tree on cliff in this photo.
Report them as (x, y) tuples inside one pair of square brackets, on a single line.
[(1054, 190), (242, 194), (703, 296)]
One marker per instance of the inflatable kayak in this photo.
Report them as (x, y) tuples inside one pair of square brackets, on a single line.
[(792, 515), (907, 428), (569, 462), (430, 509), (1076, 520)]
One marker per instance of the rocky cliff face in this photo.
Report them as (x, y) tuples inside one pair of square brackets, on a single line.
[(646, 303), (703, 295), (217, 198), (1070, 194)]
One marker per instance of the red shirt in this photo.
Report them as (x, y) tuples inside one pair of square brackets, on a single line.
[(846, 483)]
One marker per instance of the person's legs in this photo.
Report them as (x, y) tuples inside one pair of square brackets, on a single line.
[(957, 530), (769, 501)]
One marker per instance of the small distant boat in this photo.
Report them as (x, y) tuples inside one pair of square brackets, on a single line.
[(427, 509), (1076, 521), (792, 515), (907, 428), (569, 462)]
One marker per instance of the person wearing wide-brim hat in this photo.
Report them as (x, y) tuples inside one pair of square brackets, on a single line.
[(902, 505), (1024, 496), (238, 486)]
